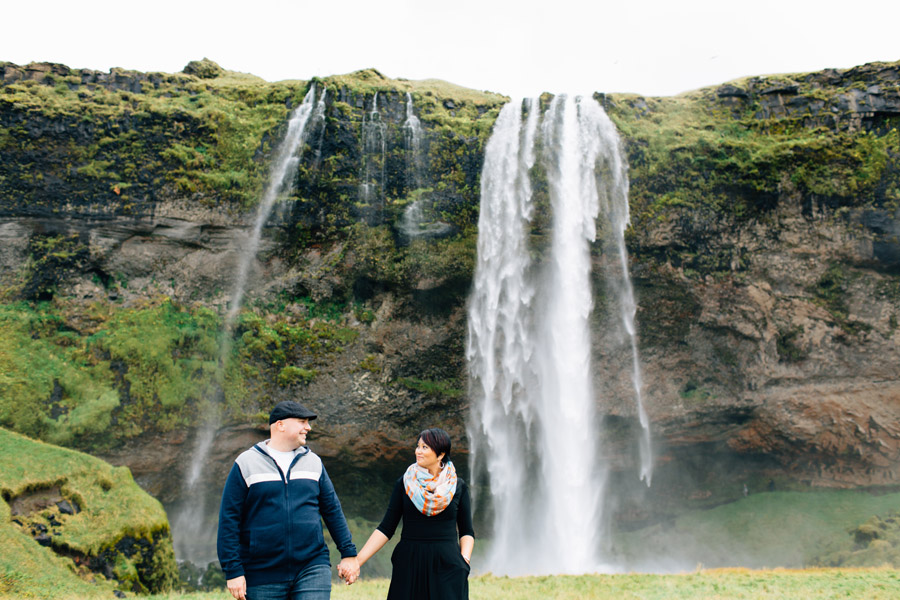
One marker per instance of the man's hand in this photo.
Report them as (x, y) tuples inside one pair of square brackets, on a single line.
[(348, 569), (238, 587)]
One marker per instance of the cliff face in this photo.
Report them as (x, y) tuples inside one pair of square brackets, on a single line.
[(766, 252), (764, 248)]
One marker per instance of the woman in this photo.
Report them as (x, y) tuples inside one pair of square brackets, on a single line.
[(431, 561)]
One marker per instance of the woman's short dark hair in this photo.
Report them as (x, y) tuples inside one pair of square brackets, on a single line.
[(438, 440)]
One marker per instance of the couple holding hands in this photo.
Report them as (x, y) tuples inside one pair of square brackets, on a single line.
[(270, 540)]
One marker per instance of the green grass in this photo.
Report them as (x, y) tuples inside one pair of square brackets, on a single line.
[(68, 376), (773, 529), (111, 504), (725, 584)]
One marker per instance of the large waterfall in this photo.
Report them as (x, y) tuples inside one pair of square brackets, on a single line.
[(193, 523), (533, 428)]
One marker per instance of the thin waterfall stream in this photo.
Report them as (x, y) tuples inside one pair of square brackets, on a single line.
[(417, 220), (534, 422), (193, 525), (373, 146)]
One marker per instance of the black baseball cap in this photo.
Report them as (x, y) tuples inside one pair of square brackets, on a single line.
[(288, 410)]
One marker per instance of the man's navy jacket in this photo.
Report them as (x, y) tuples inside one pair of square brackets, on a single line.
[(270, 523)]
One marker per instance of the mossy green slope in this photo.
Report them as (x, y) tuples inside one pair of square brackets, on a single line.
[(91, 377), (115, 527)]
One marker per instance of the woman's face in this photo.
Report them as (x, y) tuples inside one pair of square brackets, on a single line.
[(425, 456)]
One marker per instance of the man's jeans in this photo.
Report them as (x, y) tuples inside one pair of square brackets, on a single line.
[(312, 583)]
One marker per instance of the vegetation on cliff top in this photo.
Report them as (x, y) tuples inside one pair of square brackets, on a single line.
[(738, 148), (714, 159), (69, 522), (114, 142), (118, 142)]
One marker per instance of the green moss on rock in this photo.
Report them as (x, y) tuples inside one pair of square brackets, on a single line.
[(68, 519)]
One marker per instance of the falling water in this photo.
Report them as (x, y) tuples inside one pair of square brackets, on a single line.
[(415, 222), (193, 529), (501, 340), (412, 136), (614, 205), (281, 180), (533, 427), (373, 144)]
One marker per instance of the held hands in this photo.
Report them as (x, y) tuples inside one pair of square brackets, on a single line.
[(237, 587), (348, 569)]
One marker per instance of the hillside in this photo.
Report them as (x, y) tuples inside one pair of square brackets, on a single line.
[(71, 524)]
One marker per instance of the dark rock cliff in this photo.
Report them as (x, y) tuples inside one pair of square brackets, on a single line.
[(764, 249)]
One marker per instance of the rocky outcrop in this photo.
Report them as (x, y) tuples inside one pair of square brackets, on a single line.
[(61, 515), (859, 97)]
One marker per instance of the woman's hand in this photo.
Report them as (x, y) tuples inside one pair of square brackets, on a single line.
[(466, 545)]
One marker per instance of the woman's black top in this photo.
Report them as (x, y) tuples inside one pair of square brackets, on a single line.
[(451, 523), (427, 564)]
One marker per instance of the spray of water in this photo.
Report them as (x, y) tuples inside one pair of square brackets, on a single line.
[(193, 525), (533, 426)]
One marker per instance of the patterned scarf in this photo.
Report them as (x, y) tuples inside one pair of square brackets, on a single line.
[(430, 494)]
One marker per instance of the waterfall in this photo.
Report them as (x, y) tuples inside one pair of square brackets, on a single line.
[(500, 339), (373, 145), (412, 137), (281, 180), (193, 525), (533, 424), (614, 204), (415, 222)]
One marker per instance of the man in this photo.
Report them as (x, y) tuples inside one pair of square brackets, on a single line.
[(270, 533)]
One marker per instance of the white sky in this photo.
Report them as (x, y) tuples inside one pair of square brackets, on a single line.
[(514, 47)]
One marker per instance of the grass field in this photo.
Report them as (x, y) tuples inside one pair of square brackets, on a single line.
[(717, 584)]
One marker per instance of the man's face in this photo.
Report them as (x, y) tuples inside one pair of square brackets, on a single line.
[(295, 430)]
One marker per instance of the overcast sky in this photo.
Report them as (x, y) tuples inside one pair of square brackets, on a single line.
[(517, 48)]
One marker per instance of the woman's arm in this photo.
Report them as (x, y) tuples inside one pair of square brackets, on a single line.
[(375, 543), (464, 523), (466, 543), (386, 528)]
